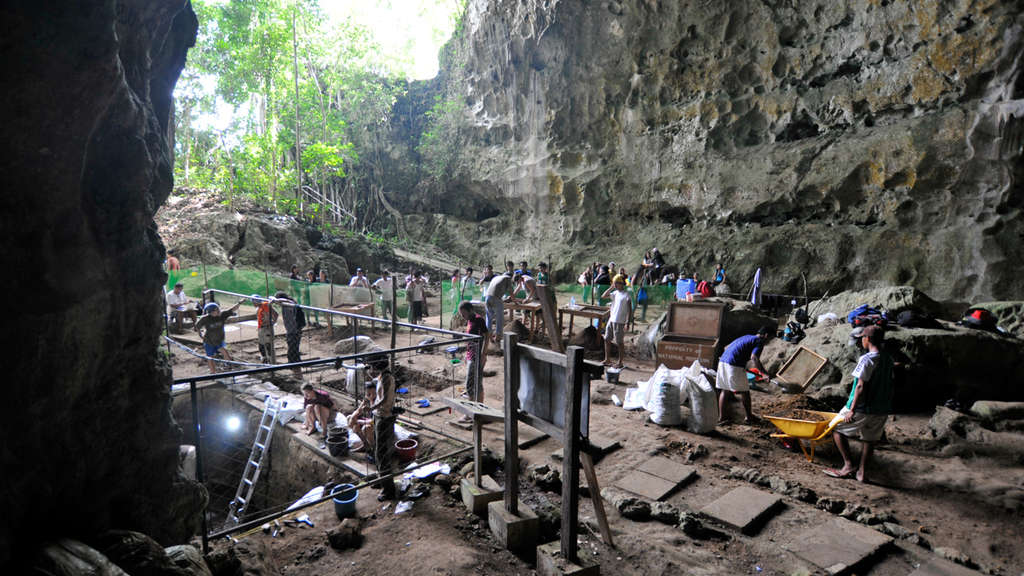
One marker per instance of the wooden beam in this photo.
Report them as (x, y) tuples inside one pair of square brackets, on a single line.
[(542, 354), (571, 448), (542, 425), (595, 498), (511, 424), (547, 307)]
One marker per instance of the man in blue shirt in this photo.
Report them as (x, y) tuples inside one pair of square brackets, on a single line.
[(732, 370)]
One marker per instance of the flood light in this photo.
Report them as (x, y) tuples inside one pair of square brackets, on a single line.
[(233, 423)]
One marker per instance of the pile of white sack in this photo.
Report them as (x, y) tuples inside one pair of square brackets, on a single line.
[(667, 390)]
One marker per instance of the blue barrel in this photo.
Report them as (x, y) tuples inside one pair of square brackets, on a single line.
[(345, 496)]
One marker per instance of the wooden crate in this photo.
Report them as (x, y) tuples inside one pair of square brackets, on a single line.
[(695, 319)]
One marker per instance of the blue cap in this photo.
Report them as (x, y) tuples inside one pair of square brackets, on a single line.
[(210, 306)]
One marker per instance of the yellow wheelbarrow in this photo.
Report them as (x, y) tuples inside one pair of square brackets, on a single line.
[(813, 431)]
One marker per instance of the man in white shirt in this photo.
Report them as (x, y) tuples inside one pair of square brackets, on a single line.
[(384, 286), (622, 309), (494, 297), (415, 293), (360, 279), (179, 305)]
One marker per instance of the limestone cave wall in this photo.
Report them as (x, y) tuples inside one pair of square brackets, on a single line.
[(85, 154), (864, 142)]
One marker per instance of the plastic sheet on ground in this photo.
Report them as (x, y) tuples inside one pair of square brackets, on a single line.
[(311, 496), (427, 471)]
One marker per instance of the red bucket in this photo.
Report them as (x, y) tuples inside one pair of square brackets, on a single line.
[(406, 450)]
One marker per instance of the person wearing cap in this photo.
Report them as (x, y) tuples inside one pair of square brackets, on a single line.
[(178, 305), (266, 317), (732, 370), (621, 311), (211, 327), (868, 406), (360, 279)]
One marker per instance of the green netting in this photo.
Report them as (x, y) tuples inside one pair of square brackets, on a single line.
[(244, 281), (658, 297)]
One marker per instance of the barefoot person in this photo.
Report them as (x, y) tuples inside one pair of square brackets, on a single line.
[(621, 310), (868, 407), (361, 420), (318, 407), (732, 370)]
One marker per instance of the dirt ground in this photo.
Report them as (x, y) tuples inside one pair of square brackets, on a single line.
[(440, 537)]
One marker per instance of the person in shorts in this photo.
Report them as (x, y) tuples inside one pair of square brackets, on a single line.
[(732, 370), (621, 311), (318, 407), (868, 406), (211, 327)]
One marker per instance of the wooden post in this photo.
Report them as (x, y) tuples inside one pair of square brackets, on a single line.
[(440, 318), (266, 280), (571, 452), (394, 315), (595, 496), (330, 317), (512, 424), (478, 442)]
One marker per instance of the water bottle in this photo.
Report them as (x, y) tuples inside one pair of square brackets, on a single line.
[(572, 302)]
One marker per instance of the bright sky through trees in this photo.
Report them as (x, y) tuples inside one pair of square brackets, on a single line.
[(405, 29)]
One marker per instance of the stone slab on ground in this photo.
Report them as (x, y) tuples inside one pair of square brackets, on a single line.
[(743, 508), (600, 445), (528, 436), (940, 567), (669, 470), (551, 563), (646, 485), (837, 545)]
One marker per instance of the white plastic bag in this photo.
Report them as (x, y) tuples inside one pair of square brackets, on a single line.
[(703, 403), (664, 405)]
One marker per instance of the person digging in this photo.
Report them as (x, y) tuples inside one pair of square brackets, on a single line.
[(868, 406), (732, 370)]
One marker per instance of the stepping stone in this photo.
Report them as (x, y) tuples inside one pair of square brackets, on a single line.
[(744, 508), (657, 478), (669, 470), (646, 485), (838, 545), (939, 567)]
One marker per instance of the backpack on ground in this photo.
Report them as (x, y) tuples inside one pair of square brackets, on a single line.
[(980, 319), (705, 289), (865, 315), (916, 318)]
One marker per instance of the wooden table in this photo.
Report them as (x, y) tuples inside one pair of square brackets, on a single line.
[(531, 309), (602, 313), (363, 309)]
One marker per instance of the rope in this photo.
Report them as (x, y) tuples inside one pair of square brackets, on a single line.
[(205, 357)]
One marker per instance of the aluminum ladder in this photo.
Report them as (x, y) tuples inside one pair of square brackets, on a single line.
[(260, 445)]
